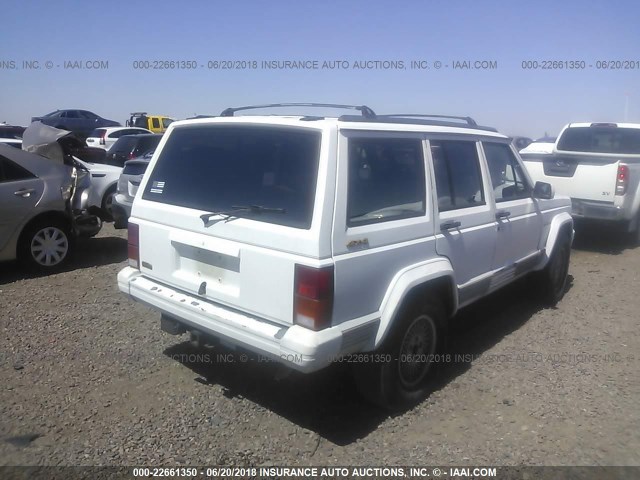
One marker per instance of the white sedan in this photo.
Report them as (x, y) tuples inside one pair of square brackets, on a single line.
[(107, 136), (104, 181)]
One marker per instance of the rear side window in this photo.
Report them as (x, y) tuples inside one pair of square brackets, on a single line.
[(600, 140), (457, 172), (386, 180), (218, 167), (507, 178), (11, 171), (155, 122)]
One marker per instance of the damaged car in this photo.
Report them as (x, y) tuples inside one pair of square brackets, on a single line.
[(43, 200)]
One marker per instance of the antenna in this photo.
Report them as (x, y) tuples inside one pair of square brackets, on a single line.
[(626, 107)]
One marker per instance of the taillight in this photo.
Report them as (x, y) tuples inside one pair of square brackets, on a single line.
[(133, 245), (131, 155), (102, 135), (622, 179), (313, 297)]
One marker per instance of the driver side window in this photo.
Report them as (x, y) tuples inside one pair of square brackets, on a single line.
[(507, 178)]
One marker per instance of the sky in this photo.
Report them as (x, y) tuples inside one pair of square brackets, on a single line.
[(123, 40)]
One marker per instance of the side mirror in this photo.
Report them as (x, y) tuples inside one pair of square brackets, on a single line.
[(543, 190)]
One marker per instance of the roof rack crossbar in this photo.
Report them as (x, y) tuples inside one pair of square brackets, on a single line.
[(468, 120), (366, 111)]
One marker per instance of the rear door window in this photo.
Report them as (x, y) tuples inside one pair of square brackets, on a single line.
[(11, 171), (218, 167)]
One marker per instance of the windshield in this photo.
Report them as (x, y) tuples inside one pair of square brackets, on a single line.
[(600, 140), (216, 167)]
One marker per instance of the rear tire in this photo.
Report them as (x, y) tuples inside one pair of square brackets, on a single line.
[(45, 245), (634, 236), (398, 373), (107, 204)]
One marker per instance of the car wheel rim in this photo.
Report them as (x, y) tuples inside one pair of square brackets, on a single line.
[(49, 246), (416, 351)]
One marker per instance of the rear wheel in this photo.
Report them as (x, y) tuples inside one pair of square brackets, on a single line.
[(45, 245), (107, 204), (398, 373), (635, 234)]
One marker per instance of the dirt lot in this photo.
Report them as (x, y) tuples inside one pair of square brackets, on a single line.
[(89, 379)]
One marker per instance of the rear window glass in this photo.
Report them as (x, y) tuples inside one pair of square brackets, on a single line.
[(124, 144), (600, 140), (135, 168), (98, 132), (145, 144), (216, 168)]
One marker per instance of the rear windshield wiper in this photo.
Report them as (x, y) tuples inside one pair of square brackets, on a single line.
[(235, 209)]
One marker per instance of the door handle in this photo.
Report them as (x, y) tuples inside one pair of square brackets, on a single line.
[(449, 225), (24, 192), (503, 214)]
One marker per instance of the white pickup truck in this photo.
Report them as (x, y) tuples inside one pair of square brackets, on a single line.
[(598, 166)]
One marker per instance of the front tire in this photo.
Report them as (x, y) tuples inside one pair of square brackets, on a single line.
[(397, 376), (553, 279), (45, 245)]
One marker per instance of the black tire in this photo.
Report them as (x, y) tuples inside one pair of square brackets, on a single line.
[(107, 203), (45, 245), (553, 279), (634, 236), (398, 375)]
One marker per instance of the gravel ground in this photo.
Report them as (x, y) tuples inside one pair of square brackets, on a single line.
[(88, 378)]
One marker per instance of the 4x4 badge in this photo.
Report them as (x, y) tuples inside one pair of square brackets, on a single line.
[(363, 243)]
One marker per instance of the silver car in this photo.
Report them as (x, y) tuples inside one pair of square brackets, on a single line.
[(128, 184), (41, 208)]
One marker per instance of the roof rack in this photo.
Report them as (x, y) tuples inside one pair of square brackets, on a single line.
[(195, 117), (414, 121), (468, 120), (366, 111)]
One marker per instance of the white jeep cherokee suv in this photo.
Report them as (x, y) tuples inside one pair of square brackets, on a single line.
[(307, 238)]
